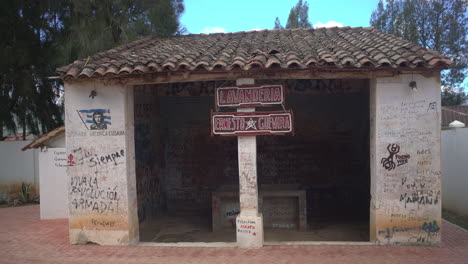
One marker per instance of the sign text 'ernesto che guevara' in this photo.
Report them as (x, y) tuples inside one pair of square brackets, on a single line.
[(250, 96), (254, 123)]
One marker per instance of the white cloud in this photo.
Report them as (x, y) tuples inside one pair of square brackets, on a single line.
[(328, 24), (208, 30)]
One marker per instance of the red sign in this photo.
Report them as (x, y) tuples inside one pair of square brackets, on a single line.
[(254, 123), (249, 96)]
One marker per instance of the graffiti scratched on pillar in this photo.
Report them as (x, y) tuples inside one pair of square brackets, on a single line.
[(409, 198)]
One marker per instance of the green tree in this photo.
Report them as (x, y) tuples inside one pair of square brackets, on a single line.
[(27, 96), (440, 25), (278, 24), (38, 36), (98, 25), (452, 97), (298, 17)]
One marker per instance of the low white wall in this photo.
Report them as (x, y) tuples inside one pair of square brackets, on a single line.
[(454, 170), (53, 183), (16, 167)]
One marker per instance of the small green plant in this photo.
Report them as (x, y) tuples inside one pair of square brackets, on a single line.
[(24, 196)]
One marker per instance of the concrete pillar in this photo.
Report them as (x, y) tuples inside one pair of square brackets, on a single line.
[(101, 183), (405, 160), (249, 223)]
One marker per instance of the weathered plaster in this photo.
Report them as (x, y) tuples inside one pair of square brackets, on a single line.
[(405, 160), (101, 173)]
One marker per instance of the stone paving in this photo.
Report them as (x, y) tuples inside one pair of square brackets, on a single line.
[(24, 238)]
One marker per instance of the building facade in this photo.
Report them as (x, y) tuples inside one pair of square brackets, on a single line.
[(366, 143)]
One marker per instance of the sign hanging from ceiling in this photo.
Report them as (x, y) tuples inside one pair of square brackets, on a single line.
[(249, 96), (251, 123)]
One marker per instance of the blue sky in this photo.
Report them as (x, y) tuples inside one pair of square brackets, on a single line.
[(209, 16)]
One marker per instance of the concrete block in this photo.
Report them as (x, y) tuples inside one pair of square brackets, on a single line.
[(249, 231)]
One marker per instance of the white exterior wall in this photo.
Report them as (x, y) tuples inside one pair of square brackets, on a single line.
[(101, 175), (53, 183), (58, 142), (405, 185), (16, 167), (454, 170)]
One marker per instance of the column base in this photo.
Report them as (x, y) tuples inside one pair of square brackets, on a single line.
[(249, 230)]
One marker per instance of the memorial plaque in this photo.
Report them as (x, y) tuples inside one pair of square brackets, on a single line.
[(251, 123), (249, 96)]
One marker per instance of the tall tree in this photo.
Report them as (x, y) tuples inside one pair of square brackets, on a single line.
[(278, 24), (97, 25), (298, 17), (451, 96), (38, 36), (440, 25), (27, 96)]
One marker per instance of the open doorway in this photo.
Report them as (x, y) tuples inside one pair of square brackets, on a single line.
[(184, 175)]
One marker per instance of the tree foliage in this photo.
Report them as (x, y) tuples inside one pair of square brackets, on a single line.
[(440, 25), (450, 96), (38, 36), (298, 17), (27, 96), (98, 25)]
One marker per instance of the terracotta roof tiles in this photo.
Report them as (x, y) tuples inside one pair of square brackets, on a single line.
[(297, 48)]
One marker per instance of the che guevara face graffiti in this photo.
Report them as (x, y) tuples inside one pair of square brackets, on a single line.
[(95, 119), (98, 119)]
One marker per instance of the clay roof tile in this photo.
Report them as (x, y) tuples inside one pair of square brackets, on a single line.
[(297, 48)]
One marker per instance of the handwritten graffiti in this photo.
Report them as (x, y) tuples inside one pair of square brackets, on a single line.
[(102, 223), (246, 227), (148, 191), (424, 152), (88, 187), (95, 193), (88, 195), (430, 227), (106, 159), (84, 181), (232, 212), (414, 185), (144, 153), (95, 206), (402, 159), (431, 230), (388, 162), (91, 159), (420, 198), (432, 107)]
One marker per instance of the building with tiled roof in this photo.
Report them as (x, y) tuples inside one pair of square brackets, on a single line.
[(336, 125)]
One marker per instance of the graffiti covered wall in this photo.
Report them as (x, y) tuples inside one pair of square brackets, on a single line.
[(332, 124), (101, 191), (405, 138), (148, 152)]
